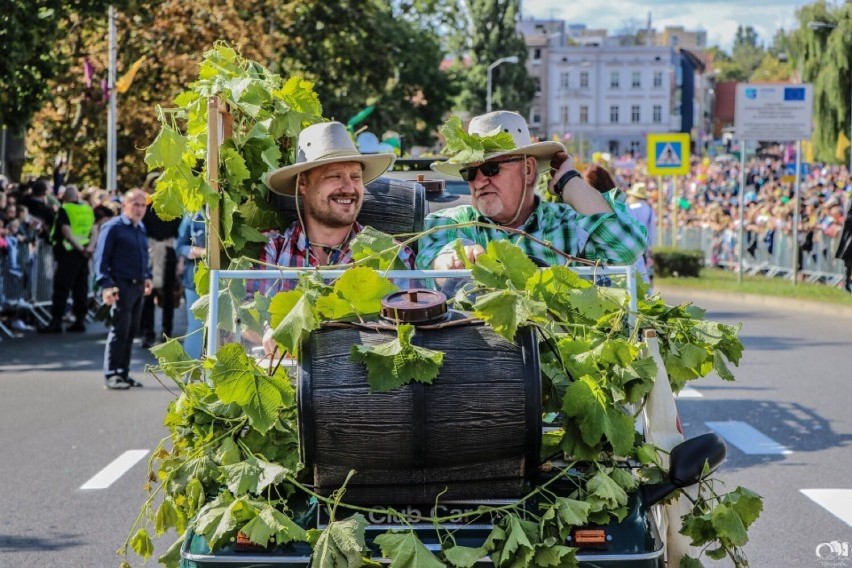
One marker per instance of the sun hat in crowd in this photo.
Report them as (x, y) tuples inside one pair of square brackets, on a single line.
[(321, 144), (638, 190), (504, 121)]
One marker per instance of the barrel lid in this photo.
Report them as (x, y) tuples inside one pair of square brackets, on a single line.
[(415, 305), (432, 186)]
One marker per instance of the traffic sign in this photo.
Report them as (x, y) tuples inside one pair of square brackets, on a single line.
[(668, 154), (774, 113)]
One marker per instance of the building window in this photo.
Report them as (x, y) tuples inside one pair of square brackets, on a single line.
[(535, 115), (613, 80), (563, 115), (634, 114), (658, 79), (564, 80), (584, 79), (658, 114), (636, 80), (584, 114), (635, 147), (613, 114), (537, 82), (536, 54)]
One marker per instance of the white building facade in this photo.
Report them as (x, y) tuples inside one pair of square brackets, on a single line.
[(606, 98)]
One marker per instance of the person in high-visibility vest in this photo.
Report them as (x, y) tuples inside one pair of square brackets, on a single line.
[(72, 250)]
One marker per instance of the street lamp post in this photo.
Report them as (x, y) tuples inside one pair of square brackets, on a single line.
[(816, 25), (510, 59)]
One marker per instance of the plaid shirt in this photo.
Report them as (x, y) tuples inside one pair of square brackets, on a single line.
[(614, 238), (291, 249)]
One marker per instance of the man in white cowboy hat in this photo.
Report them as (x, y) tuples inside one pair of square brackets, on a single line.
[(641, 210), (329, 175), (502, 188)]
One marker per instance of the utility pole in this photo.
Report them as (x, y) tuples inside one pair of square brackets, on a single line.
[(112, 111)]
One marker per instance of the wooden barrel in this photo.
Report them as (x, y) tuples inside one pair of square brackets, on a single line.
[(474, 432)]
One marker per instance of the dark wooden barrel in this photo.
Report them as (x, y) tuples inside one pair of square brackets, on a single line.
[(475, 431)]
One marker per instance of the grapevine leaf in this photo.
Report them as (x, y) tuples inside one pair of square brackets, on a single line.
[(405, 550), (572, 512), (506, 310), (647, 454), (605, 490), (728, 524), (168, 516), (464, 148), (166, 150), (171, 558), (517, 549), (238, 379), (503, 262), (292, 319), (380, 248), (746, 503), (364, 289), (236, 170), (687, 561), (271, 523), (554, 555), (395, 363), (596, 302), (218, 521), (252, 475), (721, 367), (596, 415), (552, 285), (341, 544), (464, 556), (141, 544)]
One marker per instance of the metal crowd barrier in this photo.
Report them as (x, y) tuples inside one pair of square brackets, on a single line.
[(768, 257), (26, 283)]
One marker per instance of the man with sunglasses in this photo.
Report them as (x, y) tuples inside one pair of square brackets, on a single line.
[(585, 224)]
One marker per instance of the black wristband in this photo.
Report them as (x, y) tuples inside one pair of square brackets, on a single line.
[(563, 181)]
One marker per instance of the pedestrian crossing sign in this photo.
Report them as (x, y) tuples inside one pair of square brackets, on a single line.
[(668, 154)]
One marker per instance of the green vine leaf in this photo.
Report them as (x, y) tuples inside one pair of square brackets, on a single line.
[(237, 378), (502, 264), (464, 148), (341, 544), (219, 520), (551, 554), (690, 562), (378, 250), (252, 475), (406, 551), (141, 544), (272, 524), (464, 556), (292, 319), (518, 544), (358, 292), (171, 558), (166, 150), (605, 492), (506, 310), (397, 362), (596, 416)]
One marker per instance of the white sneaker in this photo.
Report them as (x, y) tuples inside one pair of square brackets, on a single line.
[(19, 325)]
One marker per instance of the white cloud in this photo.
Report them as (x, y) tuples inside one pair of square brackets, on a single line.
[(720, 18)]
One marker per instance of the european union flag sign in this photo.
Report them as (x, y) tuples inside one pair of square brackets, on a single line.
[(794, 93)]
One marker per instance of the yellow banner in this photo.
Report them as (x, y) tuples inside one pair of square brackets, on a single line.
[(842, 144), (123, 84)]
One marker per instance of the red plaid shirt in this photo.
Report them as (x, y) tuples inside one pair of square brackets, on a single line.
[(291, 249)]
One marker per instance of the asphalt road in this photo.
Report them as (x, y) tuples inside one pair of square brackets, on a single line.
[(59, 428)]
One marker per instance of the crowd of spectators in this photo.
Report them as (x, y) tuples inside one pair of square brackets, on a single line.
[(709, 197)]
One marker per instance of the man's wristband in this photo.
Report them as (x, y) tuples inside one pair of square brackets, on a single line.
[(563, 181)]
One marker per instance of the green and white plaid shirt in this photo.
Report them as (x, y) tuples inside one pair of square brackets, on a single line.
[(613, 238)]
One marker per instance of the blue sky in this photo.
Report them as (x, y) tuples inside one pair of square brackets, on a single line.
[(719, 18)]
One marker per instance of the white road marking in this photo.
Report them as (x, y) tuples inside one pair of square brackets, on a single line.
[(838, 502), (688, 392), (748, 439), (110, 474)]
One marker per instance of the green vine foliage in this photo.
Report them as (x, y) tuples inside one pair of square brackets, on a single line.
[(230, 467)]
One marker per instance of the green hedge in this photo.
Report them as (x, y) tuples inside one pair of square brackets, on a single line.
[(669, 261)]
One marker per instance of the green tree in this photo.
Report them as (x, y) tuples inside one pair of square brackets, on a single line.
[(359, 53), (772, 68), (746, 56), (493, 36), (825, 35)]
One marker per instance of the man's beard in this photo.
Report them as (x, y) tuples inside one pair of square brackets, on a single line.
[(325, 214)]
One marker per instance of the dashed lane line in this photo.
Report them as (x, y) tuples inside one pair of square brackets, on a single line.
[(689, 392), (110, 474), (838, 502), (748, 439)]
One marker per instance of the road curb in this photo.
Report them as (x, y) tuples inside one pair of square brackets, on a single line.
[(793, 304)]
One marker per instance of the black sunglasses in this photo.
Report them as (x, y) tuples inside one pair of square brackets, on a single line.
[(488, 169)]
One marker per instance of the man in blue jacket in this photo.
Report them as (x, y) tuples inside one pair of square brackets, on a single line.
[(124, 276)]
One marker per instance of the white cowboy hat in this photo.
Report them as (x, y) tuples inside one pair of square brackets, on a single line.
[(638, 190), (326, 143), (513, 123)]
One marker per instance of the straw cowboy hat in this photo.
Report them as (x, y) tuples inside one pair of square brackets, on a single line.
[(513, 123), (638, 190), (321, 144)]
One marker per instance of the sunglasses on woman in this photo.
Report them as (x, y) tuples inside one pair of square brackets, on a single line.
[(488, 169)]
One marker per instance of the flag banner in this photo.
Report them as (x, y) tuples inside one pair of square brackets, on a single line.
[(123, 84), (842, 144)]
